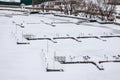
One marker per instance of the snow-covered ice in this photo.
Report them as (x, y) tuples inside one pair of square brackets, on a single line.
[(28, 62)]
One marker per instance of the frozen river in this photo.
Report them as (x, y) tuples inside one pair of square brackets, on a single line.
[(27, 62)]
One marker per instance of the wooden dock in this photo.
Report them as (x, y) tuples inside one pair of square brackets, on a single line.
[(54, 70)]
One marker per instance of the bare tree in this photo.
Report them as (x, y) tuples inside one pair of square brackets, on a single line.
[(101, 7), (106, 10), (89, 8), (65, 3), (111, 9)]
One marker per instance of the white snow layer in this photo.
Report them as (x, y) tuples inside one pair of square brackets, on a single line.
[(26, 62)]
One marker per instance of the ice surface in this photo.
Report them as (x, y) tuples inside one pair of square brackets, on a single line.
[(28, 62)]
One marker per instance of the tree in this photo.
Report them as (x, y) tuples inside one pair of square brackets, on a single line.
[(106, 10), (111, 9)]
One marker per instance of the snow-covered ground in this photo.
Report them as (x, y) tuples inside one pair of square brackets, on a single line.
[(29, 61), (11, 0)]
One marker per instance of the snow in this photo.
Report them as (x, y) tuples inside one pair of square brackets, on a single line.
[(28, 62), (118, 8), (11, 0)]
